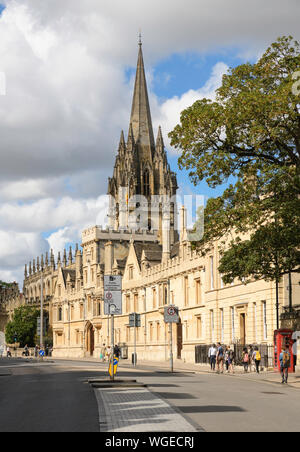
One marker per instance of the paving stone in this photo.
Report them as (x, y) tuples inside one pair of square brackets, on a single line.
[(138, 410)]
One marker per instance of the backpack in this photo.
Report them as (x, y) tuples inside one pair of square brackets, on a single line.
[(257, 356), (246, 358), (286, 360)]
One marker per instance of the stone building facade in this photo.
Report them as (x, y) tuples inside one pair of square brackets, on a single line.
[(147, 243)]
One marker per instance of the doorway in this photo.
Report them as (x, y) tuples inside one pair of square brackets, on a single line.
[(90, 340), (243, 328), (179, 339)]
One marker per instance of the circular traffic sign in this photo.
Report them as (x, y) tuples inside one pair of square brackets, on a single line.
[(171, 311), (109, 296)]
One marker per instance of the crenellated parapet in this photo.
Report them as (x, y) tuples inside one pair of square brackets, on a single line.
[(47, 267)]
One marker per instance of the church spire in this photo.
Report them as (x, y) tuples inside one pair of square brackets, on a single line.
[(140, 113)]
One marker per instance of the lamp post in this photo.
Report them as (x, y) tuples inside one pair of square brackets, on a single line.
[(112, 354), (42, 311)]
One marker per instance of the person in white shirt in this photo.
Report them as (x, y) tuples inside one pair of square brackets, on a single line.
[(212, 354)]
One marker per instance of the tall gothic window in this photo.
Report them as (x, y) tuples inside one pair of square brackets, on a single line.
[(146, 183)]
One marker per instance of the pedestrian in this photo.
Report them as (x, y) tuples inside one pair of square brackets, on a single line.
[(295, 337), (220, 359), (108, 353), (26, 351), (8, 352), (285, 363), (36, 351), (245, 359), (212, 355), (103, 353), (257, 359), (251, 359), (227, 358), (231, 361), (117, 351)]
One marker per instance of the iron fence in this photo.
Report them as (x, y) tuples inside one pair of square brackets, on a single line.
[(266, 351), (201, 354)]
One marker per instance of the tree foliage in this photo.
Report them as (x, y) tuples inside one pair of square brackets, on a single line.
[(252, 132), (23, 325), (4, 285)]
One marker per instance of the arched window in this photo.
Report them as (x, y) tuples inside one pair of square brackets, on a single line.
[(146, 183)]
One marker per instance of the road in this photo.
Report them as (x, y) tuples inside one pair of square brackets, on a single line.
[(55, 397)]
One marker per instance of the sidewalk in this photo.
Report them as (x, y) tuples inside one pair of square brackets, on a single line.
[(269, 376)]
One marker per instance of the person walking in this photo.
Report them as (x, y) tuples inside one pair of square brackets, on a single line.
[(212, 355), (245, 359), (285, 363), (251, 359), (295, 337), (220, 359), (227, 358), (103, 353), (108, 353), (257, 359), (8, 352), (117, 351), (231, 361)]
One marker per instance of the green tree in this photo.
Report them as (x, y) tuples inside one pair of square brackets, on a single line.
[(4, 285), (23, 325), (251, 132)]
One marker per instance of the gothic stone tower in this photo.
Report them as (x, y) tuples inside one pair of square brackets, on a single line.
[(142, 179)]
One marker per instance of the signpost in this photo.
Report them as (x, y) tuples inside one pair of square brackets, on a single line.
[(112, 307), (134, 322), (171, 316)]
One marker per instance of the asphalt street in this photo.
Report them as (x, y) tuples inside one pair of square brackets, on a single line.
[(46, 398), (55, 397)]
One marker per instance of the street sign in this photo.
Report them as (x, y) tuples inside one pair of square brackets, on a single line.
[(113, 283), (171, 314), (134, 320), (112, 303), (116, 363)]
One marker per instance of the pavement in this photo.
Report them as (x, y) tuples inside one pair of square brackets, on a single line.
[(266, 375)]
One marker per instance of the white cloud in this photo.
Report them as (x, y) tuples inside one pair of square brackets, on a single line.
[(67, 98), (168, 113)]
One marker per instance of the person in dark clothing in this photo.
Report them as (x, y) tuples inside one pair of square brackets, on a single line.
[(117, 351)]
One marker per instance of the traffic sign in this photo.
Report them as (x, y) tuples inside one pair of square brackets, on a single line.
[(171, 314), (113, 303), (113, 283), (134, 320), (116, 363)]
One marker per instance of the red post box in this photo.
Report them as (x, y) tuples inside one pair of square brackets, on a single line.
[(283, 339)]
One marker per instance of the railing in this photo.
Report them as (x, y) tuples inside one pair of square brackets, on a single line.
[(201, 354), (266, 351)]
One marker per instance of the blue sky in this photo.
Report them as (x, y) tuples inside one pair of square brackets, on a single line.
[(176, 75)]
